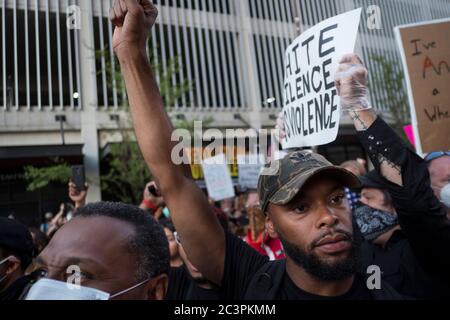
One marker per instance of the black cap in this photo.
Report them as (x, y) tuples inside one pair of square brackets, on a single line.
[(15, 237), (372, 180)]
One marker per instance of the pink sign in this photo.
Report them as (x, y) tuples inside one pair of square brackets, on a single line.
[(410, 134)]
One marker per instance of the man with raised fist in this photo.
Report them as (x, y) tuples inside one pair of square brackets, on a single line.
[(304, 201)]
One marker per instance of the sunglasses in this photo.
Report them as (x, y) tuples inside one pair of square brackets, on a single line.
[(435, 155)]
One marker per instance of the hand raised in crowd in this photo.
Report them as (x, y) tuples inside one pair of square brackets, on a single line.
[(133, 20), (57, 222), (151, 201), (58, 219), (78, 197), (351, 83)]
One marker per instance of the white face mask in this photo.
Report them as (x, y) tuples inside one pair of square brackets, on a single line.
[(48, 289), (445, 195)]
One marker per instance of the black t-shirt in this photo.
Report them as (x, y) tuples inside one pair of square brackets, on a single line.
[(289, 291), (242, 262), (182, 287)]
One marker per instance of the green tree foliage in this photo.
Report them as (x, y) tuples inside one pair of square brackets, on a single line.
[(40, 177), (128, 172), (390, 80)]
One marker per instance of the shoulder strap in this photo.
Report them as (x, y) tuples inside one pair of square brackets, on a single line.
[(266, 282)]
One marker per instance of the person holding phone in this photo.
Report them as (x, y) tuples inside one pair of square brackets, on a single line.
[(152, 201), (77, 196)]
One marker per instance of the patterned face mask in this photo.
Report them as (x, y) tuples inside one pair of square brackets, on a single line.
[(373, 223)]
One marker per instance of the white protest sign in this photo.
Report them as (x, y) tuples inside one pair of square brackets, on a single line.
[(311, 104), (249, 169), (217, 178)]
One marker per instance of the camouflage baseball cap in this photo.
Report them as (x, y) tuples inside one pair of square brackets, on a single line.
[(294, 170)]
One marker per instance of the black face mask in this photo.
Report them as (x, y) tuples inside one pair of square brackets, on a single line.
[(372, 222)]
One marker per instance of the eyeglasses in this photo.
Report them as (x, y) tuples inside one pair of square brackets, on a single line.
[(177, 237), (435, 155), (5, 260)]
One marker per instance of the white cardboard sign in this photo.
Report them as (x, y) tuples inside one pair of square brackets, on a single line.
[(311, 104), (217, 178), (250, 167)]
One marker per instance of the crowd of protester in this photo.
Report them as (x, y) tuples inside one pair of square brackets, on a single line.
[(311, 231)]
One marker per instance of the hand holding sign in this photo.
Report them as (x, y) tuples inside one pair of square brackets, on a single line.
[(351, 79)]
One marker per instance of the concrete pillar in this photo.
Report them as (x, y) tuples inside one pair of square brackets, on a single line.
[(89, 102), (248, 54)]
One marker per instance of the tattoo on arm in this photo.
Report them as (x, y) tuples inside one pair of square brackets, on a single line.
[(362, 121), (390, 170), (359, 123), (383, 160)]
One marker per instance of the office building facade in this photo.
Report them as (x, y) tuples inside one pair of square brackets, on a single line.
[(60, 95)]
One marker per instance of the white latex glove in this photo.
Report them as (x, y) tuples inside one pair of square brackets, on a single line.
[(351, 80)]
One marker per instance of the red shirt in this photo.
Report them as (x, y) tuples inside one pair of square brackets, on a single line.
[(269, 247)]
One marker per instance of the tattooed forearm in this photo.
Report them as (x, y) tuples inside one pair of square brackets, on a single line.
[(363, 119), (359, 124), (390, 170), (383, 160)]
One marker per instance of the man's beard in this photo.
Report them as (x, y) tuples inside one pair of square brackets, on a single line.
[(321, 269)]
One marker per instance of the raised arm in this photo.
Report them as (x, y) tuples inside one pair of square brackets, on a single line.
[(200, 231), (420, 213), (352, 87)]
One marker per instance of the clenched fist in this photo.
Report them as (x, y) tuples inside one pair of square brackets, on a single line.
[(133, 20)]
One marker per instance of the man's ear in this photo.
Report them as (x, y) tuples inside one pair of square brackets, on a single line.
[(13, 265), (157, 288), (269, 227)]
